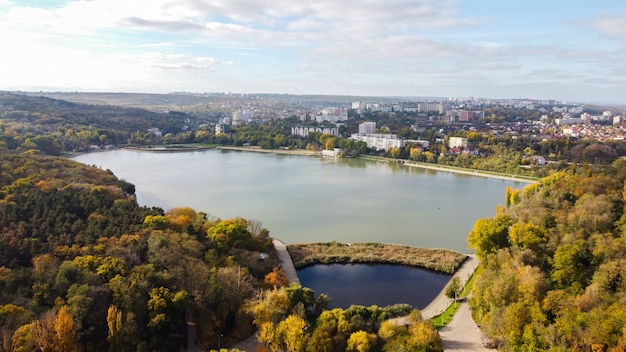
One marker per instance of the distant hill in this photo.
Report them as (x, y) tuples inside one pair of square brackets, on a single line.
[(43, 111)]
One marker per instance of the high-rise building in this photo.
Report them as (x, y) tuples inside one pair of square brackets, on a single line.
[(367, 127)]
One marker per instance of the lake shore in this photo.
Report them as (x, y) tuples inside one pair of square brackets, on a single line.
[(452, 169), (274, 151), (428, 166), (436, 259), (305, 152)]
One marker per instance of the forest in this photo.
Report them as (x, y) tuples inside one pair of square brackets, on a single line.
[(553, 265), (84, 268)]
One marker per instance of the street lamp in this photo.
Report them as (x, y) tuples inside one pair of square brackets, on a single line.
[(219, 342)]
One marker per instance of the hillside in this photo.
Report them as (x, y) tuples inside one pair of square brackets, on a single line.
[(553, 263), (83, 267), (56, 126)]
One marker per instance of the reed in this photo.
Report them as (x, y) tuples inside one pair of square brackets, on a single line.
[(436, 259)]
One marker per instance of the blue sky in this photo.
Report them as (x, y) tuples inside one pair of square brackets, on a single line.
[(539, 49)]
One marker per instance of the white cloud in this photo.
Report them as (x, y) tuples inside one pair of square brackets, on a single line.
[(611, 25)]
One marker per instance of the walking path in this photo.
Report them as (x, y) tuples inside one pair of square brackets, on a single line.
[(442, 302), (462, 334), (251, 344), (285, 262)]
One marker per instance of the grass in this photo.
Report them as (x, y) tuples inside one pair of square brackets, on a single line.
[(445, 318), (441, 260)]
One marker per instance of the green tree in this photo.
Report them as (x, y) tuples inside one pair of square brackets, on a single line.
[(453, 290), (489, 234)]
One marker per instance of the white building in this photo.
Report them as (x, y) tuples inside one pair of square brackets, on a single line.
[(304, 131), (332, 115), (457, 142), (367, 127), (379, 141), (242, 116)]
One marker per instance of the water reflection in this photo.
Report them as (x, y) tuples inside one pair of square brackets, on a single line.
[(367, 285)]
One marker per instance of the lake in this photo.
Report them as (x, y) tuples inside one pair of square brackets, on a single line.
[(366, 285), (310, 199)]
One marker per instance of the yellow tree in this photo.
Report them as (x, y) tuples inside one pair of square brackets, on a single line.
[(23, 340), (267, 335), (292, 332), (65, 331), (122, 330), (361, 341), (55, 332)]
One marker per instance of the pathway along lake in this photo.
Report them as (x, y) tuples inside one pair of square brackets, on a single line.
[(310, 199)]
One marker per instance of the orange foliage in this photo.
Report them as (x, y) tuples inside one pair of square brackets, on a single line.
[(276, 278)]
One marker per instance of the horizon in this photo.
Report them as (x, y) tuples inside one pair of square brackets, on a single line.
[(560, 50)]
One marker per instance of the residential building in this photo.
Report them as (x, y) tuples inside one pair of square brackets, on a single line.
[(304, 131), (457, 142), (367, 127), (379, 141)]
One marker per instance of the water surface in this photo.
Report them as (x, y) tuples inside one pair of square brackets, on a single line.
[(310, 199), (367, 285)]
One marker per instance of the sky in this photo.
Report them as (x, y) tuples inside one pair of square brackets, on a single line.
[(569, 50)]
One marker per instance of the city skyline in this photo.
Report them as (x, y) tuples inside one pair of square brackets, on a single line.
[(563, 50)]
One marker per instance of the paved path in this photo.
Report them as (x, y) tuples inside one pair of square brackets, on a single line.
[(462, 334), (285, 262), (442, 302), (251, 344)]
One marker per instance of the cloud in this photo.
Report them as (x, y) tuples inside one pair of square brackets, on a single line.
[(610, 25), (142, 23)]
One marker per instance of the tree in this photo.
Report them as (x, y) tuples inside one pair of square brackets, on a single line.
[(277, 278), (453, 290), (122, 330), (229, 233), (489, 235), (361, 341), (293, 333), (55, 332)]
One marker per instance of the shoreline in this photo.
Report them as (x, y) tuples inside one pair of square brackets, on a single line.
[(472, 173), (274, 151), (304, 152), (451, 169)]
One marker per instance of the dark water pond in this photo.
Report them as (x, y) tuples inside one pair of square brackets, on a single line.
[(379, 284)]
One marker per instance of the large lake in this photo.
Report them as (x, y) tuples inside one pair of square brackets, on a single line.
[(310, 199)]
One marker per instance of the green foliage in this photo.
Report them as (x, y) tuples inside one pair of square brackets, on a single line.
[(489, 235), (453, 290), (73, 237), (558, 285)]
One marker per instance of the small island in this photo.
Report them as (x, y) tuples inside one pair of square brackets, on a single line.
[(442, 260)]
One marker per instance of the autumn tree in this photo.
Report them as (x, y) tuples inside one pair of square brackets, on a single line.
[(361, 341), (122, 330), (276, 278), (55, 332), (489, 235)]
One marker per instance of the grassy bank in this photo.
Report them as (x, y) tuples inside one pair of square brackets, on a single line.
[(442, 260)]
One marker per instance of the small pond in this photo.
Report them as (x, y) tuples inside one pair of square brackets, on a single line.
[(380, 284)]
